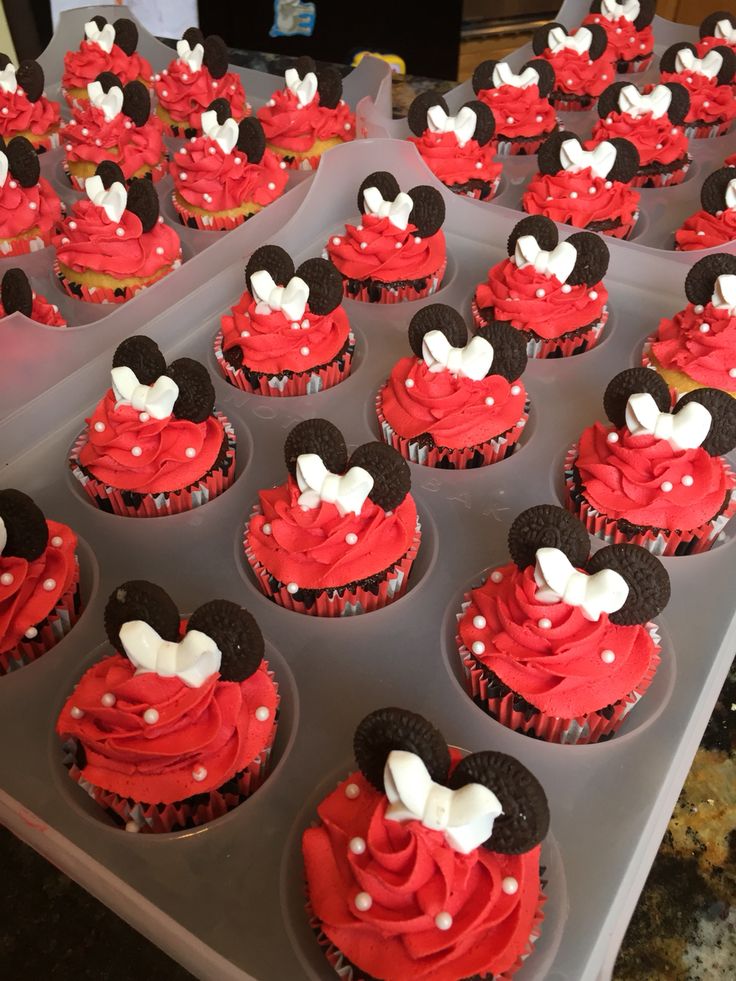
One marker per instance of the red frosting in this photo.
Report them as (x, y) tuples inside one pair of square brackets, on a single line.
[(453, 164), (309, 547), (730, 161), (185, 94), (24, 208), (557, 669), (42, 312), (90, 137), (84, 65), (625, 43), (290, 126), (24, 602), (450, 407), (88, 240), (213, 726), (529, 113), (657, 140), (391, 254), (705, 357), (550, 195), (709, 101), (577, 74), (412, 874), (706, 43), (163, 465), (704, 230), (19, 115), (228, 179), (272, 346), (624, 479)]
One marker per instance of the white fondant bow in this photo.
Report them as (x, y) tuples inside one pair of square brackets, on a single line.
[(730, 195), (3, 536), (304, 89), (7, 79), (600, 160), (291, 299), (465, 815), (110, 102), (194, 659), (559, 262), (559, 581), (113, 200), (472, 361), (612, 9), (580, 41), (504, 75), (192, 57), (104, 38), (397, 211), (348, 493), (709, 66), (684, 430), (3, 169), (634, 103), (724, 291), (462, 125), (226, 134), (157, 399), (726, 30)]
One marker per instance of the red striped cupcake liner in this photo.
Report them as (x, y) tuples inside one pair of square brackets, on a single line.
[(25, 245), (45, 142), (515, 148), (307, 163), (397, 294), (578, 104), (104, 294), (708, 132), (670, 179), (623, 231), (129, 504), (338, 601), (555, 347), (157, 173), (475, 194), (211, 222), (302, 383), (660, 541), (633, 67)]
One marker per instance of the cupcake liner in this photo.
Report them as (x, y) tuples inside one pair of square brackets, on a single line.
[(105, 294), (375, 292), (670, 179), (208, 222), (301, 162), (55, 625), (44, 142), (555, 347), (484, 193), (622, 231), (309, 382), (132, 505), (338, 601), (466, 458), (634, 66), (515, 148), (708, 131), (658, 541), (578, 103), (25, 245)]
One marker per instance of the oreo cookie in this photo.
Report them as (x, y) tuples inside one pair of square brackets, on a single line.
[(592, 261), (428, 213), (701, 280), (196, 399), (23, 161), (709, 23), (721, 438), (139, 599), (627, 160), (713, 191), (548, 157), (274, 260), (193, 36), (251, 139), (237, 635), (386, 184), (26, 530), (390, 472), (509, 349), (29, 75), (547, 526), (542, 229), (137, 102), (417, 116), (389, 729), (142, 355), (110, 173), (316, 436), (109, 80), (16, 293), (143, 201), (634, 381), (646, 577), (437, 316), (485, 124), (325, 285), (126, 35), (329, 87), (221, 107), (215, 56)]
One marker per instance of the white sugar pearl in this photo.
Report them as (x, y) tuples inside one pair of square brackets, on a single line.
[(443, 920), (604, 77), (199, 773), (98, 142), (159, 250), (99, 427), (479, 165), (732, 372), (573, 194), (363, 901), (566, 288), (478, 647), (136, 451), (73, 226), (539, 293), (65, 241), (120, 232), (539, 118), (262, 713), (659, 146), (698, 308), (182, 176), (700, 233), (184, 77), (496, 577), (609, 121), (267, 529), (31, 633), (213, 149), (32, 205), (592, 189), (619, 30), (417, 239), (643, 46), (144, 417), (704, 328), (687, 480), (593, 295), (164, 93), (351, 538), (68, 147), (666, 486), (612, 437), (352, 790), (190, 452), (689, 81), (208, 198), (608, 656), (490, 400), (150, 716), (397, 245), (608, 185), (57, 541), (545, 623), (76, 713), (282, 165), (357, 846), (479, 622), (49, 584), (569, 81), (238, 161), (706, 104), (294, 326), (409, 383), (674, 131), (108, 699), (509, 119), (304, 351), (516, 389), (549, 198), (292, 588), (182, 149), (271, 102), (85, 131), (364, 245), (305, 325), (347, 127), (336, 240), (245, 333), (13, 185)]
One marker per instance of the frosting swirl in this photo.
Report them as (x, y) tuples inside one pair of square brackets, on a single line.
[(704, 230), (705, 357), (207, 177), (453, 164), (657, 140), (84, 65), (577, 74), (519, 112), (23, 209), (709, 101), (391, 254), (42, 312), (552, 195), (19, 115), (290, 126), (90, 138), (625, 43), (185, 94)]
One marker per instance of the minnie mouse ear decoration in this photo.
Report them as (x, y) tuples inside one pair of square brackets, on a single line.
[(139, 599), (386, 184), (540, 38), (320, 437), (589, 41), (417, 116), (16, 293), (109, 80), (329, 87), (274, 260), (126, 35), (485, 124), (645, 576), (24, 526), (700, 282), (390, 729), (543, 230), (495, 74), (29, 75), (237, 635), (221, 107), (143, 201), (592, 261), (627, 160), (548, 158), (99, 20), (142, 355), (715, 194), (721, 438), (428, 213), (304, 65), (483, 78), (193, 36), (110, 173), (441, 317), (616, 159), (251, 139), (137, 102), (509, 349), (634, 381), (718, 63), (721, 24), (215, 55), (23, 161), (640, 13), (547, 526), (325, 285), (608, 99), (545, 75), (389, 470), (196, 400)]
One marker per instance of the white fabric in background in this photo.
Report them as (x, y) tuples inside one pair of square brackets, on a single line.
[(164, 18)]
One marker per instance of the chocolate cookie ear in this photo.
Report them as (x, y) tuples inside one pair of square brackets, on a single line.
[(193, 36), (237, 635), (386, 184), (524, 822), (4, 62), (137, 102), (545, 73), (540, 38), (646, 577), (713, 191), (417, 115), (316, 436), (721, 438), (627, 160), (325, 285), (667, 61), (215, 55), (142, 355), (679, 104), (485, 124), (599, 41), (109, 80), (26, 531), (329, 87), (389, 729), (143, 201), (251, 139), (23, 161), (390, 472), (548, 157), (305, 64), (139, 599), (16, 292), (482, 77), (126, 35), (509, 349), (547, 526), (543, 230), (725, 75), (110, 172), (608, 99), (99, 20), (196, 399), (709, 23), (437, 316), (647, 9), (592, 261), (29, 76), (634, 381), (276, 261), (222, 108), (428, 213), (701, 280)]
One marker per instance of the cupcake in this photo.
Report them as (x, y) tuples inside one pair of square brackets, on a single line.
[(194, 78), (457, 149), (697, 347), (520, 103), (24, 108), (39, 581), (174, 726), (104, 48), (559, 644), (628, 28), (288, 333), (154, 444), (551, 293), (17, 296), (424, 862), (30, 209), (114, 243), (308, 116), (656, 477), (586, 184), (652, 119), (717, 29), (456, 404), (338, 537), (582, 61), (397, 252), (226, 175), (114, 123), (708, 81), (715, 223)]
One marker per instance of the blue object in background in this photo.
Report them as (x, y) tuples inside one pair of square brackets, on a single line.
[(292, 17)]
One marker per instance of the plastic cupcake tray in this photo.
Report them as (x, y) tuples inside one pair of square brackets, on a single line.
[(36, 357)]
